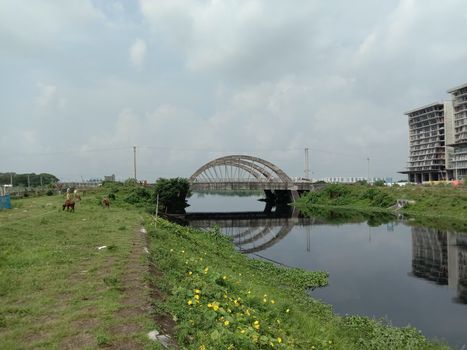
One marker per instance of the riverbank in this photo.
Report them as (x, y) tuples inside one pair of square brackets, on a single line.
[(441, 206), (221, 299)]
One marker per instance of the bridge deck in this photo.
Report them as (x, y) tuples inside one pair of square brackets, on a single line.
[(254, 185)]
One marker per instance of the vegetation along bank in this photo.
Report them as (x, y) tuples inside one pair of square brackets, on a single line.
[(442, 206)]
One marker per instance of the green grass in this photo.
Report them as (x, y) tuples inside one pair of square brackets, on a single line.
[(57, 289), (223, 300)]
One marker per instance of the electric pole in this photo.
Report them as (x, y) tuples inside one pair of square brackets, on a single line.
[(11, 179), (134, 160), (29, 183), (307, 165), (368, 177)]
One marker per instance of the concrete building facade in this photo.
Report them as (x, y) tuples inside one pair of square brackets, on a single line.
[(458, 168), (429, 133)]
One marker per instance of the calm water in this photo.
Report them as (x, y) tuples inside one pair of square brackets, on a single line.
[(408, 275)]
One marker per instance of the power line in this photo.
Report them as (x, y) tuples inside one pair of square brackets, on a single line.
[(181, 149)]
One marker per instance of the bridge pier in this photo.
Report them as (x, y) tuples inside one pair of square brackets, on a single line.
[(281, 197)]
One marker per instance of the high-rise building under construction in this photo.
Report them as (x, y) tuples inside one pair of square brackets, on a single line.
[(430, 130), (458, 167)]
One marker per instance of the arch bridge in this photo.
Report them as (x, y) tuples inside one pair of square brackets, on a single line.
[(243, 172)]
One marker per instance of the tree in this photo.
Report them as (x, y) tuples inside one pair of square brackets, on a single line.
[(172, 194)]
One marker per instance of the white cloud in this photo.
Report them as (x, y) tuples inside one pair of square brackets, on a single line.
[(138, 53), (221, 35)]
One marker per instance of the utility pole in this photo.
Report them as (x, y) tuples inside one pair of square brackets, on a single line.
[(29, 183), (41, 182), (11, 179), (307, 165), (368, 177), (134, 159)]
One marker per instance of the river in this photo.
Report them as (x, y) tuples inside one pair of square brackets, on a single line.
[(378, 267)]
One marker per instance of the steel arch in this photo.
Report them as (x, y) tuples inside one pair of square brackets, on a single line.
[(257, 167)]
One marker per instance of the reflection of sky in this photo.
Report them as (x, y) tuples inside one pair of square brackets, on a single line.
[(370, 275), (213, 202)]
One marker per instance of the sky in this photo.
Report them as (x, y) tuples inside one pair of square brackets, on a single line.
[(187, 81)]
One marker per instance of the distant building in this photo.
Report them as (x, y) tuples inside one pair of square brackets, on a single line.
[(430, 130), (110, 178), (349, 180), (458, 167), (80, 184)]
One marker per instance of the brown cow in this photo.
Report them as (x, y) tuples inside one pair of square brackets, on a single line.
[(105, 202), (69, 205)]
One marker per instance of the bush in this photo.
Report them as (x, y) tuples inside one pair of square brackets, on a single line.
[(172, 194), (138, 196), (49, 193)]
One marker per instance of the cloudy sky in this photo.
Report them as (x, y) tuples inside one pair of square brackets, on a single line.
[(186, 81)]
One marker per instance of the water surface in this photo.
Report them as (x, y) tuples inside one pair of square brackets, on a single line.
[(408, 275)]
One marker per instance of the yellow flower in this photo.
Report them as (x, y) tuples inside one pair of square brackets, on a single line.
[(206, 269), (225, 277), (215, 307), (249, 292), (265, 300), (189, 302), (256, 325), (272, 301), (171, 250), (190, 273), (247, 312), (183, 251), (197, 291), (242, 331), (209, 305), (225, 296), (279, 340), (226, 323), (287, 311), (202, 347), (197, 296)]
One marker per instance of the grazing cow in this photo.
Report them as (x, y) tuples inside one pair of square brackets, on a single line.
[(105, 202), (69, 205), (76, 195)]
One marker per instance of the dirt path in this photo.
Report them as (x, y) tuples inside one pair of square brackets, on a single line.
[(135, 296)]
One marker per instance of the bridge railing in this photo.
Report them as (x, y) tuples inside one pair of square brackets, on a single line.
[(237, 179)]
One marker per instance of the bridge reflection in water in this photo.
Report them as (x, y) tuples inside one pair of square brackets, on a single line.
[(252, 232), (441, 257), (437, 256)]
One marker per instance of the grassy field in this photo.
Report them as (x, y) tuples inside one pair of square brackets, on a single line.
[(58, 290)]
